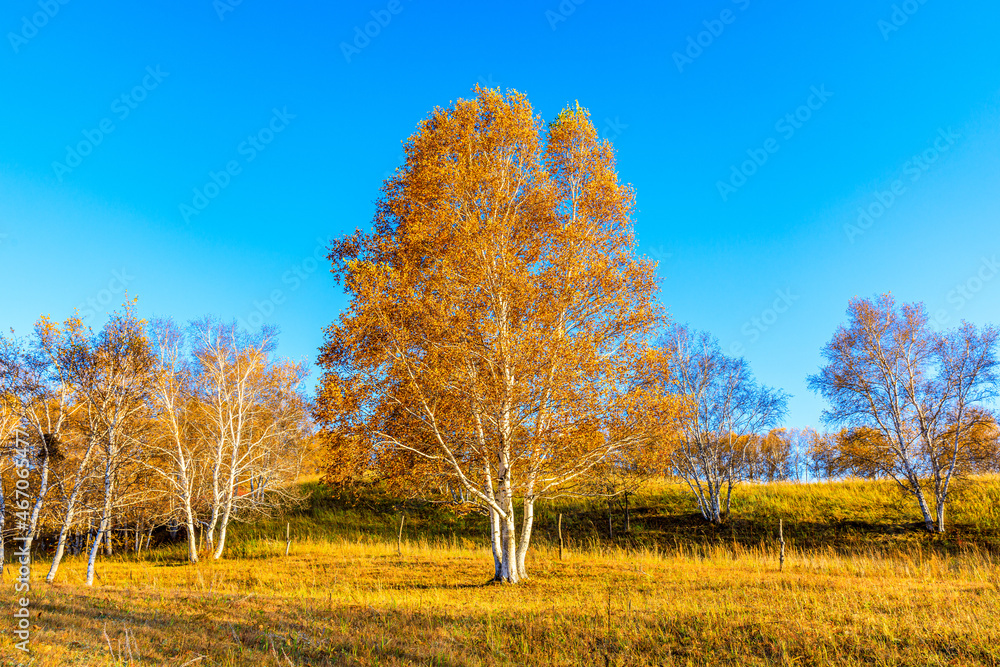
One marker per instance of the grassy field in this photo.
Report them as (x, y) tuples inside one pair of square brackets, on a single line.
[(861, 586)]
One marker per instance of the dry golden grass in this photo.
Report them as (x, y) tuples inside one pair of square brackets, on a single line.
[(862, 585), (355, 603)]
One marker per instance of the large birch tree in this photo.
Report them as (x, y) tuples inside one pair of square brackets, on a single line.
[(113, 373), (497, 314)]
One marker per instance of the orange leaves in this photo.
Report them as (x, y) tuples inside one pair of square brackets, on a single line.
[(498, 314), (863, 452)]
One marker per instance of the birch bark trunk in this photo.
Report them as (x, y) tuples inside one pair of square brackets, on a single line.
[(102, 528), (190, 526), (527, 522), (230, 494), (508, 563), (70, 512), (36, 509), (496, 544), (508, 556)]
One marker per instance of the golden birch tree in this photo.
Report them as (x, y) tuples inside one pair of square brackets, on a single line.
[(497, 314)]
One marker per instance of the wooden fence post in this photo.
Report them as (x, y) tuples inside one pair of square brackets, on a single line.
[(560, 538), (781, 539)]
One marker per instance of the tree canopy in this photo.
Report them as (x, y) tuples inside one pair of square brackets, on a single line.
[(498, 315)]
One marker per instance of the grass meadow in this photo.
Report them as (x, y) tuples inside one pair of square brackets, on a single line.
[(861, 585)]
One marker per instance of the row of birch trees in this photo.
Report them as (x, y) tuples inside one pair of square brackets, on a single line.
[(910, 404), (147, 425)]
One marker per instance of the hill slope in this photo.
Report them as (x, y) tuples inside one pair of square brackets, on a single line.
[(847, 516)]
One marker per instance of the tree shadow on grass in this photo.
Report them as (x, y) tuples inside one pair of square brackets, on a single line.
[(171, 629), (258, 632), (445, 587)]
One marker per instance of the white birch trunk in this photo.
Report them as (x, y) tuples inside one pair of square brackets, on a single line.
[(61, 543), (230, 494), (92, 556), (69, 515), (223, 528), (105, 520), (496, 544), (36, 509), (189, 524), (508, 560), (924, 508), (216, 497), (108, 549), (527, 521)]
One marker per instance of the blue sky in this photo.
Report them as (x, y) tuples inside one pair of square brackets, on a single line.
[(756, 134)]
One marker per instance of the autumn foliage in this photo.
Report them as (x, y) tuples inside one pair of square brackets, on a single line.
[(498, 314), (144, 425)]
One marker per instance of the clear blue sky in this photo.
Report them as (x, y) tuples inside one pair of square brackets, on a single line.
[(183, 86)]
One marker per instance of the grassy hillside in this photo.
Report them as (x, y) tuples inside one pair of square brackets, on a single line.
[(670, 592), (855, 516)]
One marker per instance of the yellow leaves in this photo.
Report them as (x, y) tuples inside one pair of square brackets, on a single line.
[(861, 451), (497, 303)]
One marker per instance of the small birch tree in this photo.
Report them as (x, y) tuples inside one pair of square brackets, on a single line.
[(112, 372), (252, 415), (726, 408), (176, 444), (909, 396)]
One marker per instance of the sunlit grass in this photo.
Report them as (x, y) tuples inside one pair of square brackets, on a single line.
[(350, 599)]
